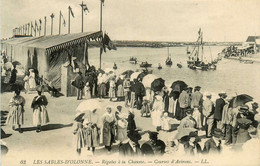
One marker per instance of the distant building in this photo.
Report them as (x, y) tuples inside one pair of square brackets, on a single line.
[(253, 42)]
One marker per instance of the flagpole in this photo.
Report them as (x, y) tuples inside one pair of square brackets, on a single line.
[(45, 19), (100, 57), (60, 23), (82, 8), (52, 16), (31, 29), (69, 21)]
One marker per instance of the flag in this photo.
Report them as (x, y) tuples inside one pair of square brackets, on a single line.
[(71, 12), (108, 43), (86, 9), (199, 31), (40, 21)]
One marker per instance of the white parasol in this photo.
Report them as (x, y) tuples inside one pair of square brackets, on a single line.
[(148, 79), (89, 105), (134, 76)]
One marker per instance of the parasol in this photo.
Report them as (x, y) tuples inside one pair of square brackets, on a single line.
[(88, 105), (148, 79), (134, 76), (157, 84), (178, 86), (16, 63), (240, 100), (128, 73)]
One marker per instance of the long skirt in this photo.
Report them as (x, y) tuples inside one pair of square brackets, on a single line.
[(87, 94), (15, 116), (102, 89), (112, 92), (120, 91), (32, 83), (79, 139), (92, 137), (40, 116), (242, 136)]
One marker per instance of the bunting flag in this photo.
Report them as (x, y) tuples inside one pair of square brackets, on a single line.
[(40, 21), (36, 25), (71, 12), (86, 9), (64, 22), (199, 31)]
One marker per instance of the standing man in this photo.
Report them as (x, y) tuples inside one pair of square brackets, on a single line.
[(226, 121), (208, 112), (196, 101), (139, 93), (127, 92), (79, 84), (184, 100), (220, 103)]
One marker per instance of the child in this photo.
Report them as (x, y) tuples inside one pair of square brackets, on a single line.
[(145, 111), (197, 116), (79, 139), (87, 91), (165, 122)]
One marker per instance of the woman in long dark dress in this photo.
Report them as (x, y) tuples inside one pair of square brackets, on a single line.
[(13, 75), (40, 114)]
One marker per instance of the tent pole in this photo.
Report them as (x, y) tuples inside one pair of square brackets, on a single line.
[(101, 3)]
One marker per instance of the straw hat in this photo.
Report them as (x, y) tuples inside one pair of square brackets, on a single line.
[(207, 94)]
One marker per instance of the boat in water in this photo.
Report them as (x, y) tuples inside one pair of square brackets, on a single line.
[(159, 66), (115, 66), (133, 60), (179, 65), (145, 64), (168, 61), (196, 59)]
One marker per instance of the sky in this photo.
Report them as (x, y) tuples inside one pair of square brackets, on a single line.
[(149, 20)]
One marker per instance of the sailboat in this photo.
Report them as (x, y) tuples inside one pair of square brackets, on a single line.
[(195, 61), (168, 60)]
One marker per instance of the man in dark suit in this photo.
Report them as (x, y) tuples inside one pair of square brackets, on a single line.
[(213, 145), (131, 147), (139, 93), (79, 84), (192, 147), (220, 103)]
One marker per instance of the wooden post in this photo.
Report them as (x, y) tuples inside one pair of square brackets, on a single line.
[(82, 8), (60, 23), (45, 20), (52, 16), (69, 21), (100, 51)]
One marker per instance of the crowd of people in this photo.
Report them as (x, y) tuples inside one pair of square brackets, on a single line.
[(220, 119)]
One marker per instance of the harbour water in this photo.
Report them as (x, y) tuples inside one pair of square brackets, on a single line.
[(231, 76)]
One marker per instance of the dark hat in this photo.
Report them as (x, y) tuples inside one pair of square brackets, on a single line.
[(197, 87), (119, 107), (193, 134), (134, 136), (189, 111), (185, 88), (153, 135), (218, 133), (190, 88), (255, 104)]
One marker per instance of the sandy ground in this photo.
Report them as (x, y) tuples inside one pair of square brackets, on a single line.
[(56, 141)]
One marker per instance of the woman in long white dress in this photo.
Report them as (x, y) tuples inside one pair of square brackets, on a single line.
[(112, 89), (32, 82), (16, 113), (156, 112)]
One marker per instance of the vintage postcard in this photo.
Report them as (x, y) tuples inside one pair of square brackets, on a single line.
[(130, 82)]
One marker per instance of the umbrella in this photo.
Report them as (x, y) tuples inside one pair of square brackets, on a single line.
[(178, 86), (134, 76), (8, 65), (157, 84), (240, 100), (141, 76), (108, 70), (148, 79), (88, 105), (128, 73), (182, 132), (16, 63)]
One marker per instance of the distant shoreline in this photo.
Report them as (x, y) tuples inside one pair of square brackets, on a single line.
[(158, 44)]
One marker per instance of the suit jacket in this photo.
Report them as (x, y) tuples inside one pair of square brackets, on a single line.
[(190, 149), (210, 146), (126, 150), (220, 103), (131, 126), (196, 99)]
